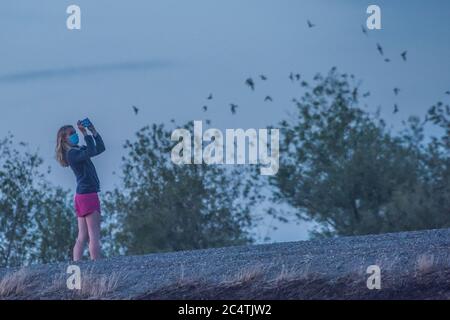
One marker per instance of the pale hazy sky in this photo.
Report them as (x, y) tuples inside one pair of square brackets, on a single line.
[(166, 56)]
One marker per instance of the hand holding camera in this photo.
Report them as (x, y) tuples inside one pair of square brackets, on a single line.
[(87, 124)]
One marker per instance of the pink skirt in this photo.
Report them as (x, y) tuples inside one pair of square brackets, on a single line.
[(86, 204)]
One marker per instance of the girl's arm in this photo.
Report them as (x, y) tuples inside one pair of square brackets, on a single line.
[(78, 155), (99, 144)]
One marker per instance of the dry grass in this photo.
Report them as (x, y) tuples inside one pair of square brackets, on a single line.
[(435, 285), (182, 280), (93, 285), (291, 274), (424, 263), (245, 276), (253, 278), (58, 284), (16, 283)]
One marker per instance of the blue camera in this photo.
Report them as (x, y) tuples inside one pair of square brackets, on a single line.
[(86, 123)]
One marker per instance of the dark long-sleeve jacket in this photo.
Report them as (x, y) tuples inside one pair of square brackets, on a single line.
[(79, 159)]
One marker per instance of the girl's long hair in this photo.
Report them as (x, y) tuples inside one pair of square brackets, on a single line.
[(62, 146)]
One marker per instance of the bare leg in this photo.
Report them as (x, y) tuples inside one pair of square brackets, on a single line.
[(93, 226), (81, 239)]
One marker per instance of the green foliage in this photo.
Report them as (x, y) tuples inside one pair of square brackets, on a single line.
[(342, 168), (56, 226), (161, 206), (35, 222)]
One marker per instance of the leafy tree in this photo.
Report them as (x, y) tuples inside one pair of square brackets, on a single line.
[(34, 216), (342, 168), (18, 197), (161, 206), (56, 226), (427, 203)]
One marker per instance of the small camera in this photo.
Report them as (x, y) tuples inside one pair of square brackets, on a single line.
[(86, 123)]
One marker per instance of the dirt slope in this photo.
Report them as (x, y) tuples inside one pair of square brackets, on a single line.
[(414, 265)]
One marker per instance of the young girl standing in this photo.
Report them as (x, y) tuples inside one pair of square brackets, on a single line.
[(87, 203)]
